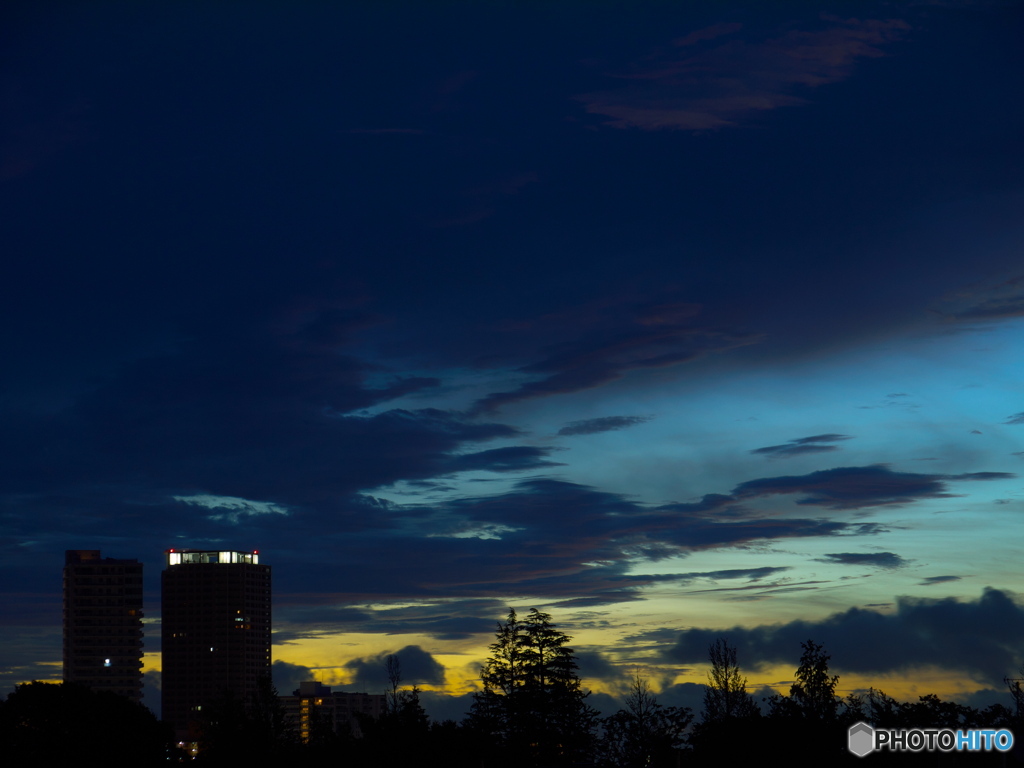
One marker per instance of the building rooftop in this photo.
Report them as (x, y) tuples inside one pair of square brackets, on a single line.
[(191, 556), (91, 557)]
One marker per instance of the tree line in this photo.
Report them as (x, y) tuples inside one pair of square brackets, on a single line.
[(531, 712)]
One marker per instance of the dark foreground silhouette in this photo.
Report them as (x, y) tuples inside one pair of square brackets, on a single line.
[(531, 713)]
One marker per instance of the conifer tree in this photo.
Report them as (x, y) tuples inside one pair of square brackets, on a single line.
[(532, 700)]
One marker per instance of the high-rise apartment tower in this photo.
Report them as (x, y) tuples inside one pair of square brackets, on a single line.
[(215, 630), (103, 622)]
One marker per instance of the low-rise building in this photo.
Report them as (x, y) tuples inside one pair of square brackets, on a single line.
[(315, 706)]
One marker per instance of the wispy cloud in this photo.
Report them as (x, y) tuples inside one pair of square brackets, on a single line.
[(235, 510), (858, 487), (931, 580), (709, 79), (888, 560), (602, 342), (602, 424), (803, 445), (509, 459), (999, 301)]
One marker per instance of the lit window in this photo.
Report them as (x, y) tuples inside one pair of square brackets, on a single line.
[(106, 662)]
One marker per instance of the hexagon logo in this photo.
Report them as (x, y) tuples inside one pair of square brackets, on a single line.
[(860, 739)]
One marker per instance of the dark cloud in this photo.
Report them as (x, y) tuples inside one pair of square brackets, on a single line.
[(606, 704), (982, 476), (601, 343), (830, 437), (683, 695), (938, 580), (981, 302), (442, 706), (874, 559), (573, 544), (602, 424), (983, 698), (555, 534), (593, 664), (1017, 418), (993, 309), (30, 612), (288, 676), (713, 79), (983, 638), (447, 620), (312, 466), (858, 487), (152, 698), (557, 540), (417, 666), (612, 524), (893, 400), (791, 449), (553, 539), (266, 407), (510, 459), (31, 653), (753, 574), (803, 445), (756, 590)]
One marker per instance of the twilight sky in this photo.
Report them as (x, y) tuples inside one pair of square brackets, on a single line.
[(676, 321)]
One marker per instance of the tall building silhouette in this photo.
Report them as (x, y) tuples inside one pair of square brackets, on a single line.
[(103, 622), (215, 630)]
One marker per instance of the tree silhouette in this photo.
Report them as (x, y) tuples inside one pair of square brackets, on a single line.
[(399, 735), (494, 710), (725, 695), (807, 720), (66, 723), (731, 720), (393, 667), (246, 730), (814, 692), (644, 733), (532, 702)]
